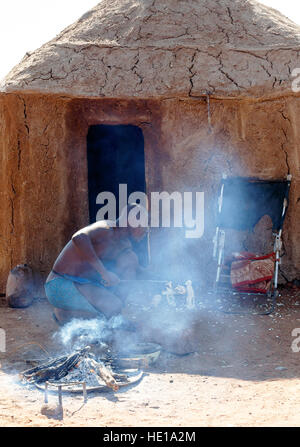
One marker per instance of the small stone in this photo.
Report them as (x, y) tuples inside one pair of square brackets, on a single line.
[(52, 411)]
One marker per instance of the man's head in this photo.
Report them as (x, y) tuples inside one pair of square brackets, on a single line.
[(135, 217)]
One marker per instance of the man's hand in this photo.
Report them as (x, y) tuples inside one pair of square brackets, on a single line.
[(110, 279)]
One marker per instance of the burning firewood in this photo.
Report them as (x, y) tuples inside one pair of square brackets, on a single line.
[(56, 369), (80, 368), (120, 377), (106, 375)]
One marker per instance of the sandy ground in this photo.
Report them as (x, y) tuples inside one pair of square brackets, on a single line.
[(244, 373)]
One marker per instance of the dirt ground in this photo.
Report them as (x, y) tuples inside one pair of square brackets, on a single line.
[(244, 373)]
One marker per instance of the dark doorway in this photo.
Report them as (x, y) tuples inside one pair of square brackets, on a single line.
[(115, 156)]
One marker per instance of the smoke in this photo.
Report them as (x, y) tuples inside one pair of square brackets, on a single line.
[(143, 320), (79, 333), (176, 258)]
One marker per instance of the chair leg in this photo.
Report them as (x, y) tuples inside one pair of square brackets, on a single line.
[(277, 248), (220, 256)]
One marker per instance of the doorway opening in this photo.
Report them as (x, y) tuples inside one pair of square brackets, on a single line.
[(115, 156)]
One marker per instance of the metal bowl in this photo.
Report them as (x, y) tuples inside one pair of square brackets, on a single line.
[(139, 355)]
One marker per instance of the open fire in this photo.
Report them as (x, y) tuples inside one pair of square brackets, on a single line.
[(82, 367), (105, 354)]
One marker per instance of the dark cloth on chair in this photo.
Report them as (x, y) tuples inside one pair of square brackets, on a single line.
[(246, 201)]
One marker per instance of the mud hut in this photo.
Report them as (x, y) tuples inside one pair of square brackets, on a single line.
[(202, 87)]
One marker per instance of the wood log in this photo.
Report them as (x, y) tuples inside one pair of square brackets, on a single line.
[(120, 377), (55, 369), (107, 376)]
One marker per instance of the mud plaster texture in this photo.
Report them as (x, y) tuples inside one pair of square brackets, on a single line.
[(44, 189), (150, 63), (150, 48)]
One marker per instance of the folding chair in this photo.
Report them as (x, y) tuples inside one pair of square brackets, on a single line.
[(242, 203)]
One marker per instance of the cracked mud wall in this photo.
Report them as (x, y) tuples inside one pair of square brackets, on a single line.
[(246, 138), (33, 214), (43, 185)]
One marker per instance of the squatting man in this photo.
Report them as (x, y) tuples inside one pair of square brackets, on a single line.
[(85, 281)]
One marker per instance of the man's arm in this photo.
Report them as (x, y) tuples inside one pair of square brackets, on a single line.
[(83, 244)]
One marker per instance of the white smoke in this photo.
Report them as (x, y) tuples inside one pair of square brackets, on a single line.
[(79, 333)]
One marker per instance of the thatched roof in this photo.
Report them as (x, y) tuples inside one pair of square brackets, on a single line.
[(154, 48)]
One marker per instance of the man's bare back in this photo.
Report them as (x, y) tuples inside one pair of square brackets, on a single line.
[(90, 249), (92, 254)]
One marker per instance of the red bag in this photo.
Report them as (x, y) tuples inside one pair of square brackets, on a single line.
[(252, 273)]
